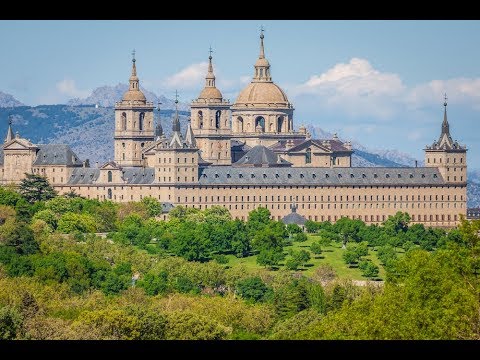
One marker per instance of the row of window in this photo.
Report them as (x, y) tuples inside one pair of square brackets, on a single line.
[(448, 160)]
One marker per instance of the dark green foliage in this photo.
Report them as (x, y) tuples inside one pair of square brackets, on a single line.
[(270, 257), (184, 284), (221, 259), (370, 270), (298, 295), (154, 284), (300, 237), (301, 256), (21, 238), (253, 289), (154, 207), (316, 248), (10, 323), (36, 188), (292, 264), (293, 229), (386, 254), (312, 226), (9, 197)]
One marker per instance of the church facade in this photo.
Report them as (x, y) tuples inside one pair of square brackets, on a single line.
[(245, 155)]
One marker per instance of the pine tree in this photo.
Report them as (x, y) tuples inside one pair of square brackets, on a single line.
[(36, 188)]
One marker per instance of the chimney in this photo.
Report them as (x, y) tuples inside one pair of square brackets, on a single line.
[(416, 163), (96, 164), (289, 144)]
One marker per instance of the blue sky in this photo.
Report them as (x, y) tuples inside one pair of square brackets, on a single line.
[(380, 83)]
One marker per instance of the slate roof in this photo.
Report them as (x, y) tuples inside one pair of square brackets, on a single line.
[(335, 145), (132, 175), (56, 154), (260, 156), (230, 175), (1, 156), (294, 218)]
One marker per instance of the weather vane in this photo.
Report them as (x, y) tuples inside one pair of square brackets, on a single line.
[(133, 55), (176, 97), (262, 29), (445, 103), (210, 51)]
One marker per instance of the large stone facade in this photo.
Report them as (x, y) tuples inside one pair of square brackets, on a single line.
[(247, 155)]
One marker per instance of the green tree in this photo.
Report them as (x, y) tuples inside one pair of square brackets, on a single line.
[(292, 264), (316, 248), (397, 223), (186, 325), (349, 229), (72, 222), (270, 257), (311, 226), (154, 284), (371, 270), (300, 237), (8, 196), (36, 188), (302, 256), (253, 289), (48, 216), (293, 229), (20, 237), (10, 323), (153, 206)]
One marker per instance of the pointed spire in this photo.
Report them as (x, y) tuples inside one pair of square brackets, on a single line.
[(9, 131), (134, 78), (189, 136), (262, 66), (262, 50), (176, 120), (134, 92), (445, 125), (210, 92)]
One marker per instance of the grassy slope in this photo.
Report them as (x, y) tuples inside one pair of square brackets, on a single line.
[(331, 255)]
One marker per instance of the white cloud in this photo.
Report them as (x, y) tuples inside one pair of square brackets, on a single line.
[(356, 88), (69, 88), (465, 91), (190, 77)]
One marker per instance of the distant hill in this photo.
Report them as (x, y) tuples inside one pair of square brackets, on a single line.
[(106, 96), (8, 101), (89, 131)]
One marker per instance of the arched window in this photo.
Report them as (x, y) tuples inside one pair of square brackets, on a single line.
[(200, 120), (260, 121), (109, 192), (217, 119), (124, 121), (279, 124), (140, 121), (240, 124), (308, 156), (109, 176)]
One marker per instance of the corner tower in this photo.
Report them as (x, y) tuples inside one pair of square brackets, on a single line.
[(134, 127), (210, 121), (447, 155)]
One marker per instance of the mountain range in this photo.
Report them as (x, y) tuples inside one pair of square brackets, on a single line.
[(87, 126)]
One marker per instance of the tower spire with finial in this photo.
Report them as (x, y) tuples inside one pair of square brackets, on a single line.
[(210, 78), (445, 126), (262, 50), (262, 66), (176, 121), (9, 131), (134, 82)]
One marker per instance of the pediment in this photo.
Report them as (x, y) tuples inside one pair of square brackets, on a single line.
[(309, 144), (18, 144), (110, 166)]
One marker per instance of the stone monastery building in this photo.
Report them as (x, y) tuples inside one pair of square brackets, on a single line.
[(245, 155)]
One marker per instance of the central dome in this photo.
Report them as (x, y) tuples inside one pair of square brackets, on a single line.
[(262, 93)]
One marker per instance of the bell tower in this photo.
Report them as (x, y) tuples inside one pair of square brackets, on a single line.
[(210, 122), (447, 155), (134, 128)]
